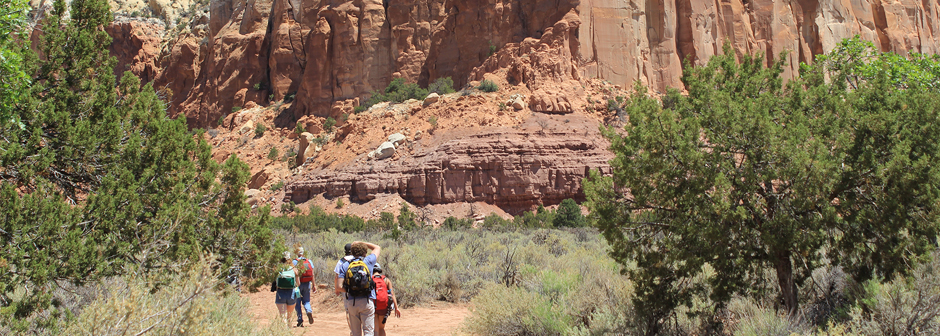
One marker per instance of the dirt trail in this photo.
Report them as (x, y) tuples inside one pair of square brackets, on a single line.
[(330, 318)]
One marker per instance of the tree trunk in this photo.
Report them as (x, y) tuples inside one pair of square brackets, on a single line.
[(785, 279)]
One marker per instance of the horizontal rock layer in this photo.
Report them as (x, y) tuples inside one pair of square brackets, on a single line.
[(323, 51), (513, 170)]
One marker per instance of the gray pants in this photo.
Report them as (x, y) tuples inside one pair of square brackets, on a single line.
[(360, 314)]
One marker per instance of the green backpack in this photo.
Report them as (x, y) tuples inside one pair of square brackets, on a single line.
[(285, 279)]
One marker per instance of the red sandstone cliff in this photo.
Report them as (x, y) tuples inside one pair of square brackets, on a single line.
[(328, 50), (329, 53)]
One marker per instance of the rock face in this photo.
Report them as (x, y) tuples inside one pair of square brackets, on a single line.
[(511, 169), (324, 51), (136, 46)]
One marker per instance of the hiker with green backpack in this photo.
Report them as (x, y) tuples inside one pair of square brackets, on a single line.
[(385, 301), (359, 289), (286, 287)]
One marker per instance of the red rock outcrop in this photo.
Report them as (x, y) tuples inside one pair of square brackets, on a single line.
[(323, 51), (136, 46), (510, 169)]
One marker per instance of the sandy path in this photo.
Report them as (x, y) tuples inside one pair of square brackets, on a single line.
[(330, 319)]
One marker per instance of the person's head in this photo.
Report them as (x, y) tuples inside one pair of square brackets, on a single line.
[(377, 269), (359, 249), (348, 249), (286, 257), (300, 252)]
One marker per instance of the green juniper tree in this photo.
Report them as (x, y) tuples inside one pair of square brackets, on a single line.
[(98, 181), (746, 175), (13, 79), (569, 215)]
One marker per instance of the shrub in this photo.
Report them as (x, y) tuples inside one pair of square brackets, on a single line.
[(300, 128), (397, 91), (288, 207), (453, 223), (568, 215), (612, 105), (359, 109), (289, 97), (236, 109), (406, 218), (328, 124), (257, 86), (443, 85), (502, 106), (277, 186), (433, 121), (904, 306), (222, 119), (488, 86), (273, 154), (260, 129), (339, 203), (192, 303)]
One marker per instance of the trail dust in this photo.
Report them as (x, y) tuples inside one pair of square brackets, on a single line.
[(439, 318)]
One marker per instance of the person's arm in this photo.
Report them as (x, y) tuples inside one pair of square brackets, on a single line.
[(338, 285), (375, 248), (394, 299)]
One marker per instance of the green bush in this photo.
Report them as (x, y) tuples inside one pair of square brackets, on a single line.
[(397, 91), (339, 203), (569, 215), (406, 218), (328, 124), (488, 86), (443, 85), (277, 186), (612, 105), (273, 154), (236, 109), (904, 306), (300, 128), (260, 129), (453, 223)]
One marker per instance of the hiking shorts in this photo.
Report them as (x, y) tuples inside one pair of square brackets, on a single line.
[(285, 296)]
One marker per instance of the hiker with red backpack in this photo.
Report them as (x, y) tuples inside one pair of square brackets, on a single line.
[(359, 289), (383, 291), (305, 268)]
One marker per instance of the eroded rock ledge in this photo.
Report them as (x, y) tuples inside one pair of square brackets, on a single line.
[(513, 170)]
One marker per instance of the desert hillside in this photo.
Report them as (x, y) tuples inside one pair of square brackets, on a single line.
[(306, 61)]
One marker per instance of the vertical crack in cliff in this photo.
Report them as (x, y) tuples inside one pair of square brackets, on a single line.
[(881, 24), (684, 39), (929, 26)]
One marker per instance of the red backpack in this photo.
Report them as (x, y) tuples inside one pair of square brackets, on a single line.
[(381, 292), (308, 274)]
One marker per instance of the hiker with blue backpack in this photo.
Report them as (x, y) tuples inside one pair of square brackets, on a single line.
[(359, 289), (286, 287), (304, 267)]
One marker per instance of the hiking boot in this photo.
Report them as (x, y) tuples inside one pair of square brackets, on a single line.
[(300, 324), (310, 318)]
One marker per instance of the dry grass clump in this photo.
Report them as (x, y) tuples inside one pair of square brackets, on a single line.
[(190, 303)]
